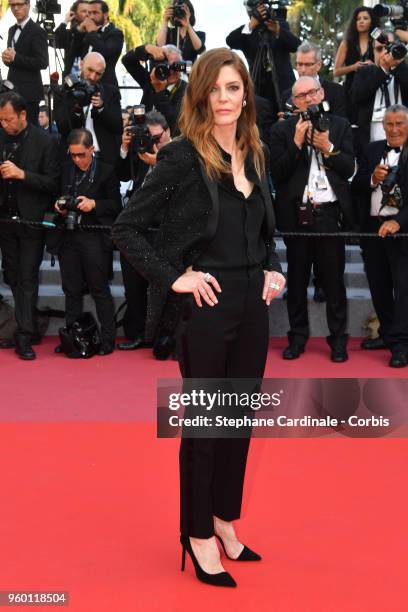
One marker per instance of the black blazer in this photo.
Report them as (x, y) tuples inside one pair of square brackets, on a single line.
[(365, 84), (38, 157), (108, 43), (71, 41), (290, 167), (333, 93), (168, 104), (361, 184), (179, 189), (31, 57), (108, 123)]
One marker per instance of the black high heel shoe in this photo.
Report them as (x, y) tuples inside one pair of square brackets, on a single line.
[(246, 554), (222, 579)]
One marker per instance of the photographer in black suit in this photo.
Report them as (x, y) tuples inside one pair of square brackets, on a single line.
[(309, 63), (374, 89), (85, 256), (26, 55), (29, 181), (310, 169), (70, 39), (102, 116), (280, 41), (163, 95), (382, 186)]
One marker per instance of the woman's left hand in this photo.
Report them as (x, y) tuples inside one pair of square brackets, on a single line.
[(186, 21), (274, 284)]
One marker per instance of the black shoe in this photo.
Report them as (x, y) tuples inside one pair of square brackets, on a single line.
[(24, 349), (222, 579), (163, 347), (398, 360), (58, 349), (106, 349), (373, 344), (339, 354), (131, 345), (319, 295), (246, 554), (293, 351), (8, 344)]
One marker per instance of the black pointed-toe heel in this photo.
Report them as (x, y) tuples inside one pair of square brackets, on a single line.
[(246, 554), (222, 579)]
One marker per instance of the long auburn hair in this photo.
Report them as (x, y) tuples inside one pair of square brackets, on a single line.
[(197, 121)]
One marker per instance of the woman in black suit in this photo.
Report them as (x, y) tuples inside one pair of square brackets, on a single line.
[(212, 271)]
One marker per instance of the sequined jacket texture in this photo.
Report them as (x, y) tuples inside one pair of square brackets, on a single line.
[(179, 190)]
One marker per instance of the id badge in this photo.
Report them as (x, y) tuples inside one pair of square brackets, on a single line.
[(321, 182)]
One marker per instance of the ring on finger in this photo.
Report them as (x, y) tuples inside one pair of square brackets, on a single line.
[(207, 277), (274, 286)]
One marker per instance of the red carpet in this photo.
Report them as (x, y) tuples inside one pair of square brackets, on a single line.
[(90, 505)]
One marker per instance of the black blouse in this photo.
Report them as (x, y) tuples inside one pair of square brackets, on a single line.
[(185, 45)]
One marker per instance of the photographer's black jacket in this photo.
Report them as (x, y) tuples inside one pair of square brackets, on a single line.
[(38, 157), (108, 43), (361, 184), (168, 104), (107, 122), (290, 170), (180, 190), (366, 82), (71, 41), (31, 57)]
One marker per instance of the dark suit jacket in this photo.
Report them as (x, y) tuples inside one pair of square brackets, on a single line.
[(333, 93), (31, 57), (108, 43), (108, 123), (265, 117), (38, 157), (365, 85), (180, 190), (71, 41), (168, 104), (361, 184), (290, 167)]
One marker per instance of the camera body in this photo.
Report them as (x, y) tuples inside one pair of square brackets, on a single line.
[(142, 140), (397, 13), (178, 11), (70, 204), (275, 10), (48, 7), (397, 49), (391, 190), (317, 115), (79, 91), (163, 70)]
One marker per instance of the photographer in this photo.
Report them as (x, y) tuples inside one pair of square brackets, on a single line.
[(377, 87), (29, 181), (178, 29), (26, 55), (163, 94), (91, 196), (262, 36), (312, 160), (70, 39), (381, 184), (135, 285), (92, 105)]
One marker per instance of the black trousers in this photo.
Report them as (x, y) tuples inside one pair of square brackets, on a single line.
[(22, 251), (386, 266), (329, 257), (227, 340), (84, 263), (32, 112), (136, 300)]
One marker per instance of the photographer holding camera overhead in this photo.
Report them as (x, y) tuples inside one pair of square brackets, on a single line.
[(86, 103), (177, 29), (90, 195), (267, 42), (379, 86), (313, 159), (26, 55), (163, 87)]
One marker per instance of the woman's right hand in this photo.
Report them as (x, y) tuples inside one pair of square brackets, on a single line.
[(168, 14), (194, 282)]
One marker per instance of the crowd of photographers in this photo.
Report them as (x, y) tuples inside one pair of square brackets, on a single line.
[(338, 162)]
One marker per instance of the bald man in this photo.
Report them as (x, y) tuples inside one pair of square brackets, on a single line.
[(102, 117)]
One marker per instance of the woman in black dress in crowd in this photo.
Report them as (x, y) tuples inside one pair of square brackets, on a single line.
[(213, 271), (190, 42)]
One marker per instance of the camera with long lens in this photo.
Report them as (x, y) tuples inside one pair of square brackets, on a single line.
[(275, 10), (396, 13), (397, 49), (142, 139), (317, 115), (79, 91), (163, 70), (391, 192), (178, 12), (70, 204)]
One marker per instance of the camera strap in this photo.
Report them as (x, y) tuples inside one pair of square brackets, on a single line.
[(75, 181)]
